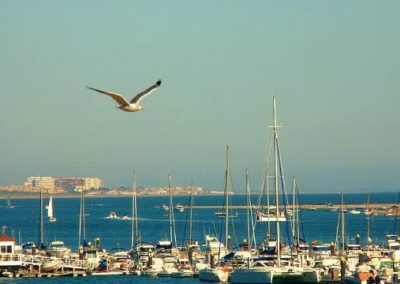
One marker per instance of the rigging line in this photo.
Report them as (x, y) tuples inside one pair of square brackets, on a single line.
[(285, 199), (133, 241), (300, 214), (252, 223), (266, 161), (234, 231), (186, 220)]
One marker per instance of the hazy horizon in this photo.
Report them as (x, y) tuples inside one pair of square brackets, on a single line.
[(333, 66)]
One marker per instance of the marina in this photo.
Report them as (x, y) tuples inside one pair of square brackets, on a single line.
[(192, 142), (264, 243), (151, 218)]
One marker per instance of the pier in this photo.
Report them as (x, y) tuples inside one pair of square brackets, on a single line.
[(307, 206), (378, 207)]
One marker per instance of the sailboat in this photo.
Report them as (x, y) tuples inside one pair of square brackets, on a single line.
[(262, 271), (220, 273), (50, 211), (9, 205)]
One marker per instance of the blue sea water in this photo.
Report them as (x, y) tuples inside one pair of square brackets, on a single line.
[(22, 222)]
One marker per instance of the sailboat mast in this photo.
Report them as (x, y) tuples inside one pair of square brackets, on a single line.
[(41, 223), (227, 198), (82, 229), (298, 215), (172, 231), (191, 213), (248, 207), (294, 207), (80, 222), (83, 216), (275, 133), (133, 241), (368, 221), (342, 223)]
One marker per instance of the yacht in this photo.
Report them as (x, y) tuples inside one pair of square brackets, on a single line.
[(57, 249)]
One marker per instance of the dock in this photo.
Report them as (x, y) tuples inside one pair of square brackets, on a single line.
[(377, 207)]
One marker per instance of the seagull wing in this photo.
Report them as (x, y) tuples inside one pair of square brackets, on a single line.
[(117, 97), (146, 92)]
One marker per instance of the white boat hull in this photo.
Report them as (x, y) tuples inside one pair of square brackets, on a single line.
[(302, 276), (269, 275), (252, 275), (183, 274), (213, 275)]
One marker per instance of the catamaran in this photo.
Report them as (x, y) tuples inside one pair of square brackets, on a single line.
[(277, 271)]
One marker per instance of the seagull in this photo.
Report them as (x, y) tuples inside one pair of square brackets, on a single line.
[(133, 105)]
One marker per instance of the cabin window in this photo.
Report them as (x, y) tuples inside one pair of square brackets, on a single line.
[(6, 249)]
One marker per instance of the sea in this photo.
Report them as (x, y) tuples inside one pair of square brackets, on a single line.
[(22, 222)]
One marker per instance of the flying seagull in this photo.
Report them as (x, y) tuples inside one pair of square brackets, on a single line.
[(133, 105)]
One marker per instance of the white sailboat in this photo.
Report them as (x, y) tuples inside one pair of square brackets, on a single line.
[(261, 271), (9, 205), (50, 211)]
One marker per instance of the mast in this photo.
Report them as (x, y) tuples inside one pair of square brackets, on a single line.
[(268, 206), (276, 185), (248, 207), (295, 214), (172, 231), (134, 212), (41, 223), (191, 214), (368, 222), (82, 225), (342, 223), (227, 198), (294, 233)]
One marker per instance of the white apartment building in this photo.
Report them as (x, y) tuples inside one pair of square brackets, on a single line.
[(42, 182)]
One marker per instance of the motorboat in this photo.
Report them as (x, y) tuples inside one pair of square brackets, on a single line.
[(180, 207), (271, 217), (112, 215), (51, 264), (185, 270), (154, 268), (222, 214), (57, 249)]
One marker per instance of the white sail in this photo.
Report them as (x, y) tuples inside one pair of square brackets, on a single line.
[(9, 205), (50, 211), (50, 208)]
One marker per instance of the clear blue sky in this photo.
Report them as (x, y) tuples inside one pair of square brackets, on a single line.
[(333, 65)]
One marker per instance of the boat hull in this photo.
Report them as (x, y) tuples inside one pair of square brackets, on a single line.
[(213, 275), (269, 275), (251, 275), (295, 276)]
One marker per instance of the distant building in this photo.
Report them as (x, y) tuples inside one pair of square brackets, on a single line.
[(41, 182), (68, 184)]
